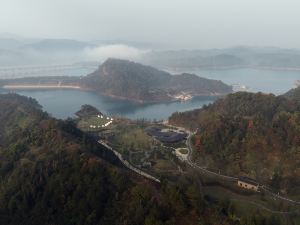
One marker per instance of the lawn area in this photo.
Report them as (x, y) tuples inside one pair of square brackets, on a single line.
[(164, 165), (184, 151), (130, 140), (94, 123)]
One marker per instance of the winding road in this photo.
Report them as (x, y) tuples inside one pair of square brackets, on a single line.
[(194, 165), (127, 164), (232, 178)]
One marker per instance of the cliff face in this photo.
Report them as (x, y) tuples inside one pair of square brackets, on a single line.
[(129, 80)]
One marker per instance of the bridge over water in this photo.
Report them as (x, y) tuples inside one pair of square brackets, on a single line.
[(46, 70)]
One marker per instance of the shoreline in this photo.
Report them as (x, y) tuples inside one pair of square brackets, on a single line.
[(35, 87), (139, 101), (267, 68)]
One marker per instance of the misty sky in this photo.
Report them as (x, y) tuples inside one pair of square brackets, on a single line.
[(177, 23)]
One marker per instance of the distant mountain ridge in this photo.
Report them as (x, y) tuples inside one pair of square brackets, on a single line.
[(58, 45), (134, 81), (271, 58), (16, 50)]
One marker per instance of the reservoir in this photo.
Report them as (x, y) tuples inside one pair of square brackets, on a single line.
[(64, 103), (268, 81)]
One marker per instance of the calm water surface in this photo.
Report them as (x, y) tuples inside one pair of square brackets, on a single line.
[(276, 82), (64, 103)]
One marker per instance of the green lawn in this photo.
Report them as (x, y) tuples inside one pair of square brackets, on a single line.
[(86, 123), (184, 151)]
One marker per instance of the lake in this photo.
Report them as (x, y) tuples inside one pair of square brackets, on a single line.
[(64, 103), (269, 81)]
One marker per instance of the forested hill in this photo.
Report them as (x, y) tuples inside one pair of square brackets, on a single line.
[(249, 134), (88, 110), (133, 81), (293, 94), (51, 173)]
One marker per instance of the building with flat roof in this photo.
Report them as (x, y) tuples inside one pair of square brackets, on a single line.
[(248, 183), (166, 135)]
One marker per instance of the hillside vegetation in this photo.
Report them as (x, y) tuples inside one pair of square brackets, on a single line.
[(52, 173), (133, 81), (293, 94), (235, 57), (249, 134), (87, 110)]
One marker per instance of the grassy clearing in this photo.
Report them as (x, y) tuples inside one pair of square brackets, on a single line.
[(86, 122), (133, 139), (164, 165), (183, 151)]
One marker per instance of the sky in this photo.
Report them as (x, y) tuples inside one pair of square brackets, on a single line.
[(174, 23)]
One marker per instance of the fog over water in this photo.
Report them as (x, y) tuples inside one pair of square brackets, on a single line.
[(191, 35), (169, 23)]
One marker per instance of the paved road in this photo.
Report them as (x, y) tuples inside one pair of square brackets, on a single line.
[(279, 196), (128, 165), (205, 170), (265, 208), (190, 150), (189, 161), (194, 165)]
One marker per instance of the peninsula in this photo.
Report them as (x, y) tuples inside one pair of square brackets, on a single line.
[(131, 81)]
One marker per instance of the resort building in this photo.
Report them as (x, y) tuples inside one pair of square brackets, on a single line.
[(248, 183)]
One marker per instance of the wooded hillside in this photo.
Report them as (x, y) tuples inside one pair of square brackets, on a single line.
[(257, 135)]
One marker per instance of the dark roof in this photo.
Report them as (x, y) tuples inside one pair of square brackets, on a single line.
[(167, 137), (248, 180)]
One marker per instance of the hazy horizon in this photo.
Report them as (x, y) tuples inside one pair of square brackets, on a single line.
[(175, 24), (131, 29)]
